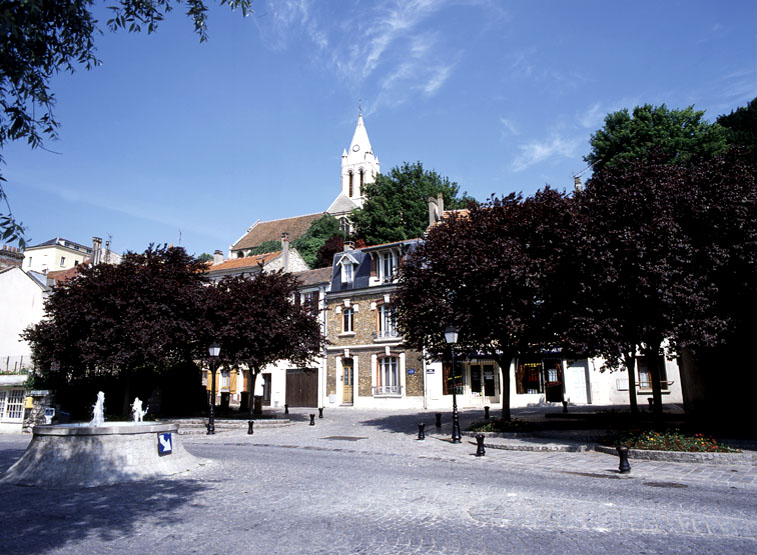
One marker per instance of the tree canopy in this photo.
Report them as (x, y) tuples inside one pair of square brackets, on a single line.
[(312, 241), (495, 273), (41, 38), (117, 320), (681, 136), (741, 127), (396, 206)]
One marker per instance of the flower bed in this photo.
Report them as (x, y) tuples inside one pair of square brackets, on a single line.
[(501, 425), (670, 440)]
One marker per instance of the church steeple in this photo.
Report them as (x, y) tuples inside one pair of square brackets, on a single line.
[(359, 164)]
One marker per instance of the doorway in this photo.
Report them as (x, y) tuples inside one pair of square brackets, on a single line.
[(348, 381)]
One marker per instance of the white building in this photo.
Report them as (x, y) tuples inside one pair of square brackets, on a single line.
[(62, 254)]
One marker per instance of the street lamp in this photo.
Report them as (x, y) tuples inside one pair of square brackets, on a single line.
[(450, 336), (214, 350)]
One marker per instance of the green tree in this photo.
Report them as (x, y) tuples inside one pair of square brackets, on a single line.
[(41, 38), (311, 242), (265, 247), (741, 126), (396, 206), (680, 136)]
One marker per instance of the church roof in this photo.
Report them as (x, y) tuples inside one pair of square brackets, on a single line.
[(342, 204), (246, 262), (360, 137), (272, 230)]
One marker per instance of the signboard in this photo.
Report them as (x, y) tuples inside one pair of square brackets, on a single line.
[(430, 370), (411, 371), (165, 444)]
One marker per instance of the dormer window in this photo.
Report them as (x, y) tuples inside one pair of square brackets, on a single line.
[(387, 266), (348, 267)]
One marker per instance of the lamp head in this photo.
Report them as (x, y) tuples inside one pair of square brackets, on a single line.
[(450, 334), (215, 349)]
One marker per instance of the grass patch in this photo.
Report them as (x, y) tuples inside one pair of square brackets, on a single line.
[(670, 440), (501, 425)]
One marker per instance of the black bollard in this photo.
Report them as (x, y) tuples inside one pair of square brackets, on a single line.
[(312, 419), (320, 412), (250, 424), (565, 406), (486, 413), (421, 431), (480, 451), (624, 467), (651, 403), (286, 409), (438, 419)]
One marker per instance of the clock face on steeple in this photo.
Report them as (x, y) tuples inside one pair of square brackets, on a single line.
[(356, 148)]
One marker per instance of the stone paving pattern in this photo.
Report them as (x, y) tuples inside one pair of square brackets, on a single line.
[(290, 490)]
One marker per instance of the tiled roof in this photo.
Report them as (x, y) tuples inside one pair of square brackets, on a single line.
[(272, 230), (246, 262), (313, 277), (62, 276)]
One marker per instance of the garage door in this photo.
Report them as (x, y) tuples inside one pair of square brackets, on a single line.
[(302, 387)]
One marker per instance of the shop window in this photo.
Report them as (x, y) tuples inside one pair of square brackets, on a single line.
[(449, 381), (482, 379), (529, 378)]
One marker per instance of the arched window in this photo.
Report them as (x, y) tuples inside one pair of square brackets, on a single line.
[(362, 178), (351, 184)]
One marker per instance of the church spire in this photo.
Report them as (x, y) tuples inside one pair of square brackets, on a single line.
[(360, 165)]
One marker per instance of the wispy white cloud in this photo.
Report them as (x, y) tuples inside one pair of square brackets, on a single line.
[(535, 152), (391, 48), (508, 126)]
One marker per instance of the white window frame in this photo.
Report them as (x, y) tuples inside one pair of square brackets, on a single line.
[(348, 320), (387, 322), (388, 378), (12, 405)]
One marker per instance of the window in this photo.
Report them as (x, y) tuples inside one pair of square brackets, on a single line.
[(387, 322), (12, 404), (387, 266), (388, 378), (347, 273), (529, 378), (645, 375), (449, 381), (351, 189), (225, 380), (311, 302), (30, 262), (62, 260), (348, 320), (362, 178)]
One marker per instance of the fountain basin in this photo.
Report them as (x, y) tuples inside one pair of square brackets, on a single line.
[(80, 455)]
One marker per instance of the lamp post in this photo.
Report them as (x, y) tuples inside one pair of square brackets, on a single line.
[(214, 350), (450, 336)]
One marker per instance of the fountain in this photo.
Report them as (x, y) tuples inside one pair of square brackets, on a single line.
[(99, 453)]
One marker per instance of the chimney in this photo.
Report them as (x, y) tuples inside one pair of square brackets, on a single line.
[(348, 246), (96, 246), (217, 257), (106, 258), (285, 250), (577, 183)]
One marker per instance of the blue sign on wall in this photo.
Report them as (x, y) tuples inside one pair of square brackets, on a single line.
[(411, 370), (165, 444)]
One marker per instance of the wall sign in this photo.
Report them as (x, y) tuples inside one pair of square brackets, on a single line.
[(165, 444), (411, 371)]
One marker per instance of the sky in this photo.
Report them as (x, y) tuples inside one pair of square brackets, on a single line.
[(175, 141)]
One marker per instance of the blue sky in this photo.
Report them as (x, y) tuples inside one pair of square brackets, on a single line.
[(179, 142)]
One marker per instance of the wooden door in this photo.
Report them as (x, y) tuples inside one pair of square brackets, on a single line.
[(348, 381), (302, 387)]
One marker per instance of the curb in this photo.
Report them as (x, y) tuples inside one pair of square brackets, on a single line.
[(680, 456)]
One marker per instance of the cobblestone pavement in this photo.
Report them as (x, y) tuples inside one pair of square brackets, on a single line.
[(320, 489)]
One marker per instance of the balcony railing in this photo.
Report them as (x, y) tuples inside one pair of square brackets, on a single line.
[(387, 391), (386, 334)]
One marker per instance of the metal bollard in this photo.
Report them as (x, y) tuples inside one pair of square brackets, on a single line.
[(320, 412), (421, 431), (312, 419), (565, 406), (486, 413), (438, 419), (250, 424), (624, 467), (286, 409), (480, 451)]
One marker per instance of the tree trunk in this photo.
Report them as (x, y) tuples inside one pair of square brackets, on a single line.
[(253, 379), (630, 361), (504, 365), (125, 405), (652, 354)]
